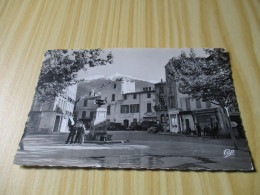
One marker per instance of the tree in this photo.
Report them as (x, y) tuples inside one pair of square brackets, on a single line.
[(208, 78), (60, 68)]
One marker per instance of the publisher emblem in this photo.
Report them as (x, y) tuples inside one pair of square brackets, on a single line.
[(228, 153)]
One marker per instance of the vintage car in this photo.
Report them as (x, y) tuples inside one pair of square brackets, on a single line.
[(155, 128), (135, 126), (147, 124), (115, 126)]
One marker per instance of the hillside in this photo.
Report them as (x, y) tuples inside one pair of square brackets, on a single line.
[(84, 87)]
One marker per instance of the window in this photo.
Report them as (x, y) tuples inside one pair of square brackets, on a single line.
[(198, 103), (162, 102), (148, 95), (161, 90), (208, 104), (170, 87), (124, 109), (92, 114), (84, 114), (134, 96), (125, 97), (171, 102), (90, 93), (134, 108), (187, 101), (149, 107), (114, 86), (108, 110), (113, 97), (85, 103), (163, 118), (135, 120)]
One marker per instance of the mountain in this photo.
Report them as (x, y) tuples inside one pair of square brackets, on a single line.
[(98, 81), (115, 77)]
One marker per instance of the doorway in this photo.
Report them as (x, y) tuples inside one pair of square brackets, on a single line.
[(126, 123), (57, 124)]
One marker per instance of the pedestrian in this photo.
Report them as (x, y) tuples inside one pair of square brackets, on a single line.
[(215, 131), (188, 132), (82, 131), (77, 138), (199, 130), (72, 130), (206, 130)]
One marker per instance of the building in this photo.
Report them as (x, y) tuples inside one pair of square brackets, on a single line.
[(110, 91), (123, 103), (184, 112), (86, 108), (161, 104), (133, 107), (52, 116)]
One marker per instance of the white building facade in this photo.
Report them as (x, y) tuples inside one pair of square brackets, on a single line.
[(53, 116), (123, 103)]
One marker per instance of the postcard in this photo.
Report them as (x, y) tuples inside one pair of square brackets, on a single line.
[(170, 109)]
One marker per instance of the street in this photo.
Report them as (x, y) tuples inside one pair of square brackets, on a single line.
[(137, 150)]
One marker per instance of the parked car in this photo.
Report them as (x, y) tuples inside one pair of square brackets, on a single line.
[(152, 129), (116, 126), (135, 126), (155, 128), (147, 124)]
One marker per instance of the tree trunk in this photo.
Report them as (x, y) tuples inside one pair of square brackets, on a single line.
[(228, 126)]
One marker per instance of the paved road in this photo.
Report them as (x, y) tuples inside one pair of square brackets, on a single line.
[(142, 150)]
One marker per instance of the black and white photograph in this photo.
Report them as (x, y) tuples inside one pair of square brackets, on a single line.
[(171, 109)]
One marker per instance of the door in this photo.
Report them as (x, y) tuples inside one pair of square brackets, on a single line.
[(126, 123), (174, 123), (187, 122), (57, 124)]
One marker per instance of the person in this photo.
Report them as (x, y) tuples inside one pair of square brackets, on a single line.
[(72, 133), (77, 138), (215, 131), (199, 130), (206, 130), (82, 132), (188, 132)]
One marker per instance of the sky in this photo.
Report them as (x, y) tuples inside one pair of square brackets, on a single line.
[(145, 64)]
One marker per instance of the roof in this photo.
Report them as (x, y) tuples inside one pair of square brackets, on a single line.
[(138, 92), (160, 83)]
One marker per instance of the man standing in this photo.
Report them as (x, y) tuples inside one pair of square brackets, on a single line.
[(199, 130), (215, 131), (77, 138), (72, 130), (81, 130), (206, 130)]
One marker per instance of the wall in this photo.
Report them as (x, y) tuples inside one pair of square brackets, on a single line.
[(141, 99)]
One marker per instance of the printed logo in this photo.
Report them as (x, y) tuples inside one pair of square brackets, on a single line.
[(228, 153)]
